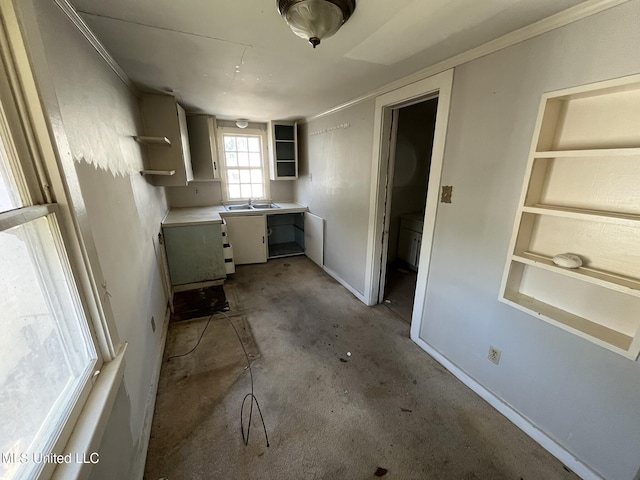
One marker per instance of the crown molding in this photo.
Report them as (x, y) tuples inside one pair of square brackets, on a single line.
[(571, 15), (84, 29)]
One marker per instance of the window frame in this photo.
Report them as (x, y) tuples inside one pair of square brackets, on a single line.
[(239, 132)]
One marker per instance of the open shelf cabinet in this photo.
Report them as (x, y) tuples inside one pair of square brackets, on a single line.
[(581, 195), (283, 150), (285, 233)]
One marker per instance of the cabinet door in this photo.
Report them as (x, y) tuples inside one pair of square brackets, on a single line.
[(204, 147), (247, 236), (194, 253), (405, 246), (314, 238)]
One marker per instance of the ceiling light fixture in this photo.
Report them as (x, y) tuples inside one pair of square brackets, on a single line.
[(315, 20), (242, 123)]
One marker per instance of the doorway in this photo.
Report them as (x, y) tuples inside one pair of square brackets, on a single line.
[(406, 196), (439, 86)]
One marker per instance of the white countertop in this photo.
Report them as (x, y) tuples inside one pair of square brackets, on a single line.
[(203, 215)]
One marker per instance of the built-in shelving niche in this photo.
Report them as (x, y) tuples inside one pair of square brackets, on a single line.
[(581, 195)]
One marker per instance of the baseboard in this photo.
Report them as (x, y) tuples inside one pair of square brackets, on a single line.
[(338, 279), (143, 442), (546, 442)]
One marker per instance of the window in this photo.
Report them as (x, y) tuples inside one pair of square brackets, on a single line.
[(47, 352), (243, 160)]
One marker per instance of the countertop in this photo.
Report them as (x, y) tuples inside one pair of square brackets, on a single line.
[(203, 215)]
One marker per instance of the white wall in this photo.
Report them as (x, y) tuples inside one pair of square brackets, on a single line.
[(204, 194), (581, 395), (99, 115), (335, 181)]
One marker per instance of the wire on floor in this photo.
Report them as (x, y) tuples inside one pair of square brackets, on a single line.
[(196, 345), (245, 438)]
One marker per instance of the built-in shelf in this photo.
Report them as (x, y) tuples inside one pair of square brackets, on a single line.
[(602, 335), (592, 152), (285, 233), (584, 214), (163, 141), (166, 139), (158, 172), (598, 277), (581, 196)]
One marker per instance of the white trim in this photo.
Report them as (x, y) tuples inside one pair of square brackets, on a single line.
[(344, 283), (92, 423), (570, 15), (84, 29), (22, 215), (140, 458), (520, 421), (50, 144), (441, 85)]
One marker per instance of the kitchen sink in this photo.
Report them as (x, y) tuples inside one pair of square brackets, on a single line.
[(254, 206), (246, 206), (260, 206)]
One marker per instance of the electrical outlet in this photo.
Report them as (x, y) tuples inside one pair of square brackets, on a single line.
[(153, 324), (447, 191), (494, 355)]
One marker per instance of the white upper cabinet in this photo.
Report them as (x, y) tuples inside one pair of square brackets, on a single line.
[(166, 140), (581, 196), (204, 147), (283, 150)]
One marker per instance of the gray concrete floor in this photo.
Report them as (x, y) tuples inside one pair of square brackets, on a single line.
[(329, 415)]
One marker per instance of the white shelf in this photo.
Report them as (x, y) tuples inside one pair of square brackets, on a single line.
[(584, 214), (592, 152), (609, 280), (166, 173), (602, 335), (161, 141)]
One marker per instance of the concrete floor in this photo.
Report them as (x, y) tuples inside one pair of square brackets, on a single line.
[(329, 415)]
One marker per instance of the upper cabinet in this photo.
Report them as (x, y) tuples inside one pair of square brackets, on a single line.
[(204, 147), (283, 150), (167, 141), (581, 197)]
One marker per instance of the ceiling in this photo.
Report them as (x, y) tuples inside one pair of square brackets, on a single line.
[(238, 58)]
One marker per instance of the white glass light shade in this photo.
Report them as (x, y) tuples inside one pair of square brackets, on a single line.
[(314, 20), (242, 123)]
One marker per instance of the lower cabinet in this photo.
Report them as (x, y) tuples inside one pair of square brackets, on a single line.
[(255, 238), (285, 233), (194, 253), (410, 240), (247, 234)]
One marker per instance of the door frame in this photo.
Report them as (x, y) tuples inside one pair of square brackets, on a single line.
[(440, 85)]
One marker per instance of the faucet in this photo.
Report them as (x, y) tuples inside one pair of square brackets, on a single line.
[(251, 202)]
